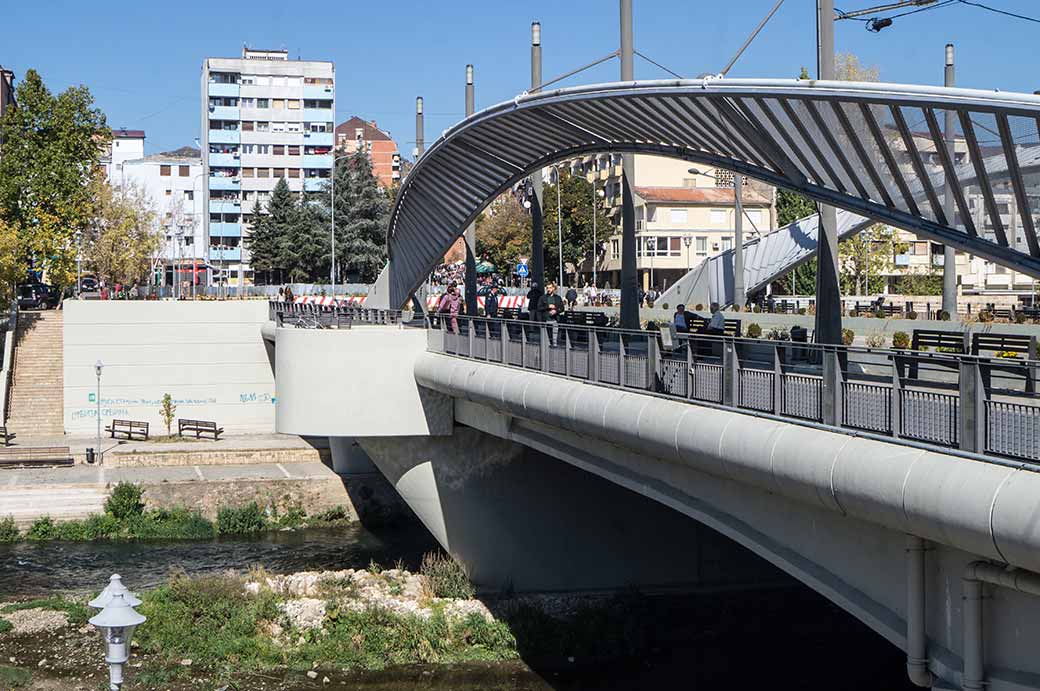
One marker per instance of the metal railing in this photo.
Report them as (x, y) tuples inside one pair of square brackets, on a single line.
[(7, 368), (944, 400), (312, 316)]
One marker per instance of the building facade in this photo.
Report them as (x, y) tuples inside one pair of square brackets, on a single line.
[(264, 118), (126, 145), (355, 134), (174, 186), (6, 91)]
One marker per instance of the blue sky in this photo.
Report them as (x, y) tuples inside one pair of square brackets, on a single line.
[(142, 60)]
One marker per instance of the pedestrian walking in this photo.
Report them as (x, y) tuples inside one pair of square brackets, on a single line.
[(451, 304), (550, 307)]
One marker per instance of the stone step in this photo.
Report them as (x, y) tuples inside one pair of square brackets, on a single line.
[(60, 503)]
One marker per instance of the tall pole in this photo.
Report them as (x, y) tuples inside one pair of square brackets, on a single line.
[(537, 231), (629, 286), (420, 142), (595, 242), (739, 298), (828, 289), (471, 231), (559, 223), (97, 369), (332, 205), (949, 295)]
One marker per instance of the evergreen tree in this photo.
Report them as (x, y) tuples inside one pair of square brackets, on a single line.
[(310, 238), (262, 243), (283, 215), (362, 212)]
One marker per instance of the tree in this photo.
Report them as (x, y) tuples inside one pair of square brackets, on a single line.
[(576, 201), (362, 216), (51, 160), (791, 207), (168, 412), (123, 239), (504, 233), (865, 259), (12, 263), (262, 243)]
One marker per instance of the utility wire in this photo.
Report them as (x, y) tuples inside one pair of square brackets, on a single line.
[(999, 11), (761, 25), (657, 64), (574, 72)]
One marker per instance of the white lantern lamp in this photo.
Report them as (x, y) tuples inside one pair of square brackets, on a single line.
[(117, 622), (115, 586)]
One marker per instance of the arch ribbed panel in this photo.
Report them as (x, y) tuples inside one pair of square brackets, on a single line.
[(874, 150)]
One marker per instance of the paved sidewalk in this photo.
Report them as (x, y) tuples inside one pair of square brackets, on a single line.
[(227, 442), (91, 476)]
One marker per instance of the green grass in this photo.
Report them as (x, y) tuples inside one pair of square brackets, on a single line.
[(77, 612), (8, 530), (447, 577), (13, 677), (5, 626)]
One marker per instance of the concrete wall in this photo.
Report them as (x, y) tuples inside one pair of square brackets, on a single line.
[(355, 382), (208, 355)]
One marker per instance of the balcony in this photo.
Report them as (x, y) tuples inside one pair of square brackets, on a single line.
[(225, 230), (318, 91), (317, 160), (314, 184), (317, 114), (224, 113), (902, 260), (225, 160), (224, 136), (224, 183), (229, 254), (216, 89), (317, 138), (221, 206)]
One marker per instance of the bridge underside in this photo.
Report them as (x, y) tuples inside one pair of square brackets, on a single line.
[(873, 149)]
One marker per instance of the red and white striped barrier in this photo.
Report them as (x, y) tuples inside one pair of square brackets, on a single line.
[(329, 301), (504, 301)]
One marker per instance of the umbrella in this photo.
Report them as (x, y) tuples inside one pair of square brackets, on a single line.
[(485, 267)]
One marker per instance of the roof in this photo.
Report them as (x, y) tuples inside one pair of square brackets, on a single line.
[(171, 157), (124, 133), (371, 132), (699, 195)]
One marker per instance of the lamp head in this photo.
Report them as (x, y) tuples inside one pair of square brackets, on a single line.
[(115, 587), (469, 74), (418, 105), (949, 54), (98, 366), (536, 33)]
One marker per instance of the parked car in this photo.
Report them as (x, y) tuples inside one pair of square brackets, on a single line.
[(38, 296), (88, 284)]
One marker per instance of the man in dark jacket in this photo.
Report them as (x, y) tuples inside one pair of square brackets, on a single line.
[(534, 296), (550, 307), (572, 297)]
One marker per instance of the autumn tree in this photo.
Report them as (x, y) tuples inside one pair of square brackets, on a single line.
[(124, 237), (504, 233), (52, 157), (12, 263), (576, 201)]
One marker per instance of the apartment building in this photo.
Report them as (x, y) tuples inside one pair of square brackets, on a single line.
[(126, 145), (264, 118), (6, 91), (682, 218), (355, 134), (173, 183)]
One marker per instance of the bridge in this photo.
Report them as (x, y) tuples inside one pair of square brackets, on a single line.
[(901, 485)]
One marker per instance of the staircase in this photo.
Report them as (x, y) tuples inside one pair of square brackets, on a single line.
[(35, 405)]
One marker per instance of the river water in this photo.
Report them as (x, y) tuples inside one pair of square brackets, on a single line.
[(759, 639)]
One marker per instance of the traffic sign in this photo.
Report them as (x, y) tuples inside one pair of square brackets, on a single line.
[(521, 270)]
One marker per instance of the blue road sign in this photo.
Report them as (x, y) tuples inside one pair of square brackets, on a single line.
[(522, 270)]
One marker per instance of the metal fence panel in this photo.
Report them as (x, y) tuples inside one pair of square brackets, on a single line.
[(867, 407), (674, 377), (930, 417), (756, 390), (610, 367), (707, 382), (1013, 429), (800, 397), (635, 372)]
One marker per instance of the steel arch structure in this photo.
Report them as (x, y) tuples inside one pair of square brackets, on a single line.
[(872, 149)]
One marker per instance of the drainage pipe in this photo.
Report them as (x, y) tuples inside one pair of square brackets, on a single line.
[(916, 634), (975, 575)]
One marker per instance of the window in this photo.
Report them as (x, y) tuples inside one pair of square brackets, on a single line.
[(293, 127), (278, 172), (278, 103), (615, 248), (247, 126), (248, 148), (262, 81), (248, 172), (702, 246), (164, 171), (294, 150), (754, 216), (189, 195), (183, 171), (677, 216), (263, 149), (169, 192), (263, 103), (278, 150), (293, 104), (247, 80), (249, 103), (674, 247), (277, 126), (263, 126), (294, 172), (727, 243), (263, 172), (718, 217)]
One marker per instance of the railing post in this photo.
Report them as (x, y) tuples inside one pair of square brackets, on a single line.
[(895, 407), (653, 362), (690, 363), (504, 336), (594, 355), (523, 346), (621, 360), (730, 373), (543, 345), (471, 335), (972, 407), (778, 380), (567, 351), (832, 389)]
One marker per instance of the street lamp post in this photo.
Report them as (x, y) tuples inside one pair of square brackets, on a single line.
[(651, 248), (98, 366), (595, 211), (559, 221), (116, 622), (687, 240)]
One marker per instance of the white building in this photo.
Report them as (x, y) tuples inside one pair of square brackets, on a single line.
[(174, 185), (126, 145), (264, 118)]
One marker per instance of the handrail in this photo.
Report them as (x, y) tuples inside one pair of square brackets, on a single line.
[(6, 372)]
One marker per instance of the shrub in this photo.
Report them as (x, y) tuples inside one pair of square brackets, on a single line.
[(754, 330), (125, 501), (169, 524), (901, 339), (445, 576), (911, 315), (168, 412), (8, 530), (5, 626), (879, 315), (801, 311), (848, 336), (944, 316), (778, 335), (876, 340), (245, 519), (985, 316), (1020, 318), (43, 528), (756, 309)]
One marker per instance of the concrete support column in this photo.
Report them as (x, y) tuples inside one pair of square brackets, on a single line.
[(471, 232), (348, 458), (629, 286), (949, 295), (537, 262), (828, 289)]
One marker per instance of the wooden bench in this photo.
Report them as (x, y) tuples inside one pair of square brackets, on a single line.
[(4, 433), (989, 344), (129, 428), (199, 427), (584, 318), (696, 324), (929, 339), (35, 457)]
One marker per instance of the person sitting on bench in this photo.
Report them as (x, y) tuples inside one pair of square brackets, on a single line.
[(679, 319), (716, 326)]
